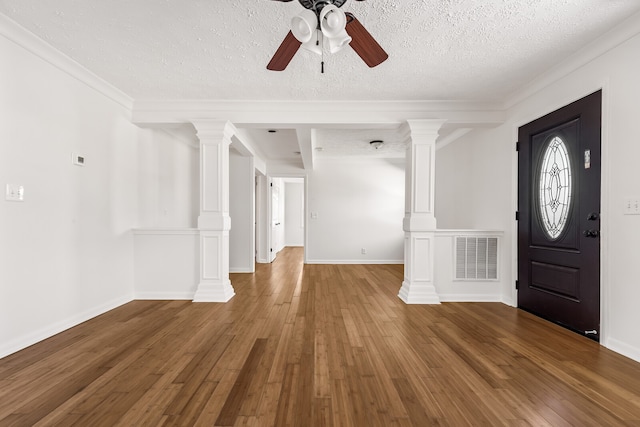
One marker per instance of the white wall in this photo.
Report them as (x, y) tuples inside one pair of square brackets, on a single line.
[(470, 184), (263, 219), (493, 174), (277, 215), (66, 252), (167, 263), (294, 213), (355, 204), (168, 181), (242, 213)]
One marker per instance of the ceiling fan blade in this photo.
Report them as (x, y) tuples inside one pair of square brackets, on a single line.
[(285, 53), (363, 43)]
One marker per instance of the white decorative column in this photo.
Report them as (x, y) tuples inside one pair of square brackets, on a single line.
[(214, 221), (420, 222)]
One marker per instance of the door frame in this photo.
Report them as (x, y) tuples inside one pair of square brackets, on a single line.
[(605, 271), (264, 210)]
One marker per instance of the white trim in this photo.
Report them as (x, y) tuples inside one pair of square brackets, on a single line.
[(507, 301), (470, 298), (513, 295), (22, 37), (240, 270), (605, 217), (61, 326), (164, 296), (468, 233), (603, 44), (343, 114), (622, 348), (354, 261)]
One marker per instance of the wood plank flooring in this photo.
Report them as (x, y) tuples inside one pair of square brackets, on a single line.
[(317, 345)]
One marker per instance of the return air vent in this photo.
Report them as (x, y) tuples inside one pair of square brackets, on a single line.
[(476, 258)]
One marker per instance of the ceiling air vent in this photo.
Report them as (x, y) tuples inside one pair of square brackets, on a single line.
[(476, 258)]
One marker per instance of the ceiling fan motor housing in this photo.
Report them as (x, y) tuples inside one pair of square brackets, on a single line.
[(318, 5)]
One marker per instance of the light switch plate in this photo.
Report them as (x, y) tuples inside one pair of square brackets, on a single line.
[(14, 193)]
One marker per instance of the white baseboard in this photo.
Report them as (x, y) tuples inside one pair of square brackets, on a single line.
[(241, 270), (509, 301), (470, 298), (354, 261), (623, 349), (164, 296), (51, 330)]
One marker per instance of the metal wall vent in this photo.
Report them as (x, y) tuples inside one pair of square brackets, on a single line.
[(476, 258)]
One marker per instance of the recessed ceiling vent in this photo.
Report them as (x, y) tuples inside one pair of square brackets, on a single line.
[(476, 258)]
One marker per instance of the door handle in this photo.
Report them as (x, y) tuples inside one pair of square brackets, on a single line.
[(593, 216), (591, 233)]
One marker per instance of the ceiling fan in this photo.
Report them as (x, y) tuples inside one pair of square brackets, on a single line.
[(322, 20)]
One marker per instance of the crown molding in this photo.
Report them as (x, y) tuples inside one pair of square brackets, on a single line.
[(615, 37), (14, 32)]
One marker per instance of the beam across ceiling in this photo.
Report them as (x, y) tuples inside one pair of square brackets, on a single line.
[(317, 114)]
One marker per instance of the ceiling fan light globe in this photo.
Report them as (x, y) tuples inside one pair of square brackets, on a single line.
[(303, 25), (312, 45), (332, 21), (302, 29)]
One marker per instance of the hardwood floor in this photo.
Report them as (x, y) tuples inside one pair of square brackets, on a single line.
[(319, 345)]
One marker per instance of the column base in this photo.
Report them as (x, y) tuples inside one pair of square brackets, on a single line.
[(214, 292), (418, 293)]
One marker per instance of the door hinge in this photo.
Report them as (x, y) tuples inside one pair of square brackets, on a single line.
[(518, 146), (271, 184), (517, 216), (517, 284), (270, 249)]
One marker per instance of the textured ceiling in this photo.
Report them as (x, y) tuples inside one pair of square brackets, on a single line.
[(357, 142), (454, 50), (212, 49)]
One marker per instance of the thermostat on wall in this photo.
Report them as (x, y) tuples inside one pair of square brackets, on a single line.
[(77, 159)]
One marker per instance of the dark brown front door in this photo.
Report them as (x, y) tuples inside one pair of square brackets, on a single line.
[(559, 216)]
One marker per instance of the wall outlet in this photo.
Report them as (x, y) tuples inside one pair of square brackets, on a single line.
[(363, 251), (632, 206), (14, 193)]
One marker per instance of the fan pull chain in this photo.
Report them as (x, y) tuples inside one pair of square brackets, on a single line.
[(322, 50)]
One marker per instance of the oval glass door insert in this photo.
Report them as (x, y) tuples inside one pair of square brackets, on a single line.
[(555, 188)]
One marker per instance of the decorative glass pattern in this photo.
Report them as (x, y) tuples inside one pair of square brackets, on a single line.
[(555, 188)]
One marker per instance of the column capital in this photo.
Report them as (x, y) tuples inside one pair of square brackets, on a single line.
[(424, 131), (214, 130)]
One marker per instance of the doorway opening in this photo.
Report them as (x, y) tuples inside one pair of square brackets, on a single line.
[(280, 215)]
